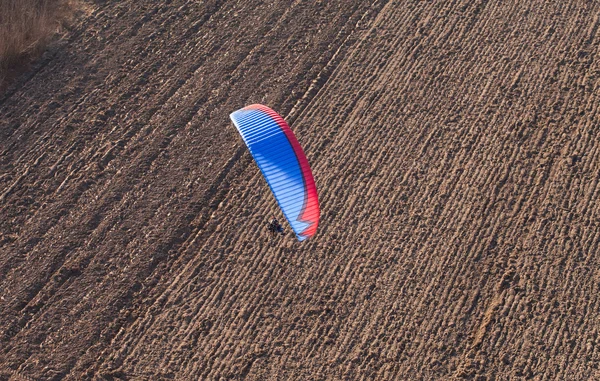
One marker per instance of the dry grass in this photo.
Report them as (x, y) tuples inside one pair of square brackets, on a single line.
[(26, 26)]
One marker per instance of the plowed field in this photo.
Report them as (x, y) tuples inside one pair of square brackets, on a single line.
[(455, 146)]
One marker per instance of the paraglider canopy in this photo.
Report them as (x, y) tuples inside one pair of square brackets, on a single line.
[(283, 165)]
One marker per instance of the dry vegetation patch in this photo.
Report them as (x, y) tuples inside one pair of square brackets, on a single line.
[(26, 26)]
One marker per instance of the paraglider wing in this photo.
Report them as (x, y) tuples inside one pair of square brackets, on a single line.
[(283, 164)]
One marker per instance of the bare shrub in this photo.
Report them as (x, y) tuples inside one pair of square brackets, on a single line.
[(26, 26)]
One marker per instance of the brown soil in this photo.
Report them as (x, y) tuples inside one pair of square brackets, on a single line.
[(456, 150)]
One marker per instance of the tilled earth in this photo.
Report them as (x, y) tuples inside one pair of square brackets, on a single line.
[(455, 146)]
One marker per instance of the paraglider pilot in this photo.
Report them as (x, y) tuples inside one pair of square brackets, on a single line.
[(275, 227)]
